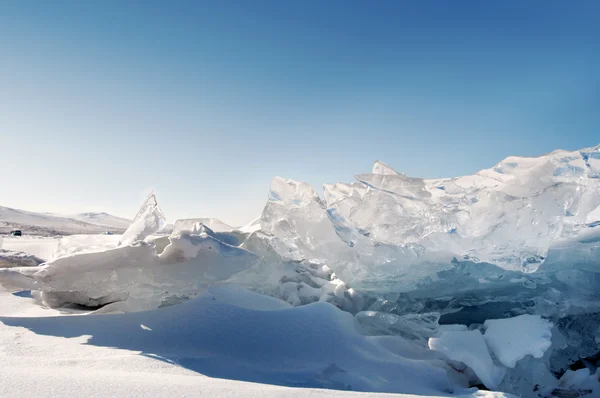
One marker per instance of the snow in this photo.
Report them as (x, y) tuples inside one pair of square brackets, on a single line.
[(583, 381), (469, 348), (512, 339), (313, 346), (252, 226), (42, 247), (10, 259), (104, 219), (185, 351), (32, 223)]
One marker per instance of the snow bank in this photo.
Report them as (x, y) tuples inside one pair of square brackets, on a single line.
[(512, 339), (254, 339)]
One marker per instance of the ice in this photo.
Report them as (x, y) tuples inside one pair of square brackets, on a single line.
[(512, 339), (74, 244), (593, 217), (11, 259), (416, 327), (136, 272), (579, 383), (382, 168), (508, 215), (414, 263), (149, 220), (469, 348), (297, 218), (212, 223)]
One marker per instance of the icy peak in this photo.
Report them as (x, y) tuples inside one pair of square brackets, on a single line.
[(148, 220), (382, 168), (507, 215)]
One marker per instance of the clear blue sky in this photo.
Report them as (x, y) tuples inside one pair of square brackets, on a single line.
[(204, 101)]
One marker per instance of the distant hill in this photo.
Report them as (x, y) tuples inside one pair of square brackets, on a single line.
[(101, 219), (32, 223)]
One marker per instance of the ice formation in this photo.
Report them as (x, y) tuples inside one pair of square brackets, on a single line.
[(149, 220), (512, 339), (469, 348), (498, 273), (11, 259)]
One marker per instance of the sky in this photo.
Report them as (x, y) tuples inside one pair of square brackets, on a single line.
[(205, 101)]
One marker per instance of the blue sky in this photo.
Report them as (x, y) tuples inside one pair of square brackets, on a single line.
[(205, 101)]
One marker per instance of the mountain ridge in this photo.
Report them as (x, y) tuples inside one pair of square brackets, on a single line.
[(35, 223)]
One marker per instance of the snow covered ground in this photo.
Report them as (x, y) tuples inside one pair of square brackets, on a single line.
[(221, 344), (390, 284)]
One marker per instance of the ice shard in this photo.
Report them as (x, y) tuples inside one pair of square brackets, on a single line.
[(149, 220)]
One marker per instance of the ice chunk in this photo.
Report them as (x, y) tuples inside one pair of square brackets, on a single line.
[(511, 339), (133, 275), (508, 215), (441, 329), (205, 256), (74, 244), (187, 224), (384, 169), (252, 226), (469, 348), (579, 383), (11, 259), (418, 327), (296, 216), (593, 218), (149, 220)]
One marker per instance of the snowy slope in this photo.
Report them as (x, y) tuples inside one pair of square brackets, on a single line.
[(102, 219), (50, 224), (213, 346)]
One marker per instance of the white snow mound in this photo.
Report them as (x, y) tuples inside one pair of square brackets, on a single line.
[(512, 339)]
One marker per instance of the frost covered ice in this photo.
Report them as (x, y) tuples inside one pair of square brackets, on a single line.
[(469, 348), (487, 279), (512, 339)]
